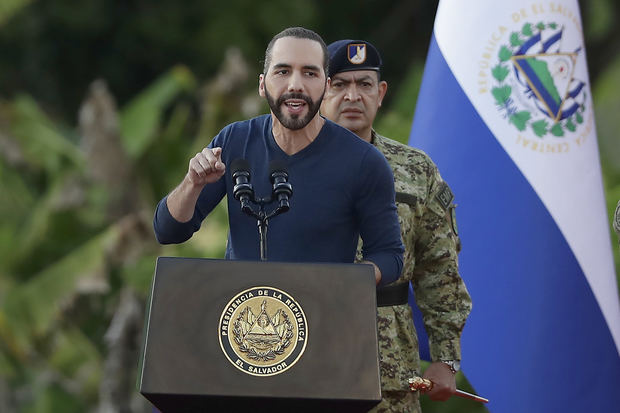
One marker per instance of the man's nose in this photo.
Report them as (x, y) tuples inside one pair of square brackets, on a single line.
[(295, 83), (351, 93)]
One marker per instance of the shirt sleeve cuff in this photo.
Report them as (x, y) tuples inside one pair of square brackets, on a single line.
[(390, 266), (167, 229)]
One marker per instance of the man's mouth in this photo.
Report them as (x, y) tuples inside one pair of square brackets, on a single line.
[(351, 111), (294, 105)]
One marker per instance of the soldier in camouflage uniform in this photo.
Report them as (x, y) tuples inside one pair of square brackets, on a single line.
[(426, 213)]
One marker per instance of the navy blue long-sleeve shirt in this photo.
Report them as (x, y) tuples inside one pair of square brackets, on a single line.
[(343, 188)]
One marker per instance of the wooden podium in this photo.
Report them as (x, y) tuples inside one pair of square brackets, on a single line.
[(231, 336)]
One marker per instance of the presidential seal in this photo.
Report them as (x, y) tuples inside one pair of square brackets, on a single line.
[(263, 331)]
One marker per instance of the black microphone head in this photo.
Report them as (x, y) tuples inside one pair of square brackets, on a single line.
[(277, 168), (282, 189), (239, 164)]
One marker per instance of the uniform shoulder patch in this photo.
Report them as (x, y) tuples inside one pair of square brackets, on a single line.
[(445, 196)]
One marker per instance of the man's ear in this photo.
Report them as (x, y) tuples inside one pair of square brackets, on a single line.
[(261, 85), (382, 90), (328, 84)]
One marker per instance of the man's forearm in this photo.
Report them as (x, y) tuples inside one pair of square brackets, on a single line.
[(181, 201), (204, 168)]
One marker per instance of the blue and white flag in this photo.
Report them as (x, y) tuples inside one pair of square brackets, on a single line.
[(505, 110)]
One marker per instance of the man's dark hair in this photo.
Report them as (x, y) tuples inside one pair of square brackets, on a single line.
[(300, 33)]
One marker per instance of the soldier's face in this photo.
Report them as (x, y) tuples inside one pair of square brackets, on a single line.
[(353, 98)]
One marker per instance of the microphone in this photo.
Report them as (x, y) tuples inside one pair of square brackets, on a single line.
[(282, 189), (242, 189)]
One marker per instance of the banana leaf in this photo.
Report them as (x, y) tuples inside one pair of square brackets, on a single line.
[(43, 144), (35, 307), (140, 119)]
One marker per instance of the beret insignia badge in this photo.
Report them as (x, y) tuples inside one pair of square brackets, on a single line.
[(356, 53)]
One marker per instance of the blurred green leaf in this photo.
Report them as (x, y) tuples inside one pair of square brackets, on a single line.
[(139, 274), (16, 201), (75, 356), (177, 124), (33, 229), (6, 366), (141, 118), (600, 18), (53, 398), (8, 8), (41, 141), (396, 122), (33, 308), (606, 94)]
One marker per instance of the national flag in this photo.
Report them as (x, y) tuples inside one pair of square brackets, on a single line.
[(506, 112)]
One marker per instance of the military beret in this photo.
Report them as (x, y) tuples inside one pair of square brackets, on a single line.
[(347, 55)]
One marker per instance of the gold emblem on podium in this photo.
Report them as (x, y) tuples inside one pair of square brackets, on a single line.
[(263, 331)]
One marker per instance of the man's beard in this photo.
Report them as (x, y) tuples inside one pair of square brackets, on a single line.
[(294, 122)]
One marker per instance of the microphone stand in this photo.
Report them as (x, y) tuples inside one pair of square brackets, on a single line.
[(263, 221), (262, 233), (243, 191)]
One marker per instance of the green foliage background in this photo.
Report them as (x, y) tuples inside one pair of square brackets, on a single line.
[(102, 103)]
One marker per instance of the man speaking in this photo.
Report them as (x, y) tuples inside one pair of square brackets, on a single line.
[(343, 186)]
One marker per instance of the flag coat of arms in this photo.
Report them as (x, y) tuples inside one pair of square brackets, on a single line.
[(505, 110)]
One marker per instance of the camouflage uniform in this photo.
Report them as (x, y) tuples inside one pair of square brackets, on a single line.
[(617, 221), (428, 229)]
